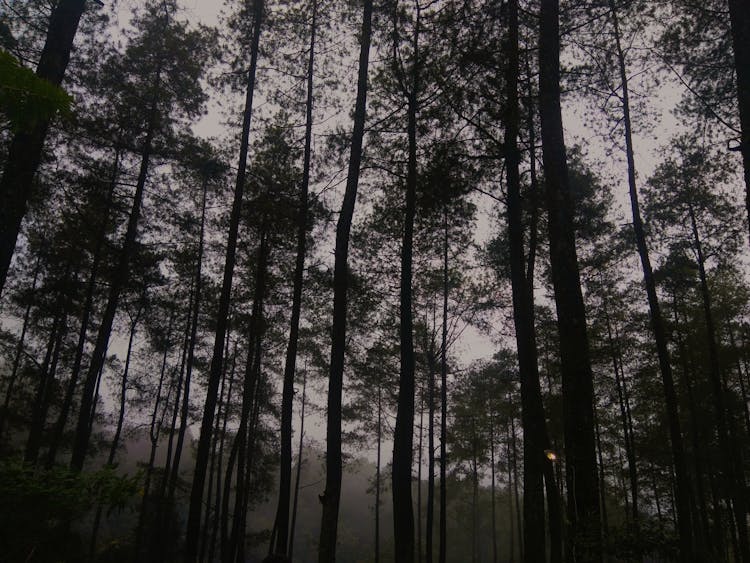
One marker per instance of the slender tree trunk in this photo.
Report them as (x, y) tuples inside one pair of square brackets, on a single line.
[(332, 494), (511, 511), (153, 433), (739, 18), (682, 484), (118, 431), (443, 535), (429, 519), (474, 494), (250, 391), (627, 436), (285, 465), (124, 389), (695, 429), (734, 481), (19, 349), (193, 323), (602, 482), (219, 510), (259, 399), (44, 389), (212, 518), (578, 391), (403, 437), (290, 550), (533, 420), (419, 476), (88, 309), (377, 474), (492, 489), (217, 359), (657, 497), (519, 520), (120, 277), (740, 378), (180, 372), (25, 150)]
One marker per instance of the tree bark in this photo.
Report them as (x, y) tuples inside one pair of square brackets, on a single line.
[(430, 516), (733, 479), (285, 465), (577, 378), (25, 150), (195, 309), (124, 389), (217, 358), (119, 279), (536, 439), (377, 474), (419, 475), (492, 489), (42, 395), (682, 484), (403, 445), (153, 434), (443, 531), (19, 349), (332, 495), (249, 402), (739, 18), (88, 309), (290, 550)]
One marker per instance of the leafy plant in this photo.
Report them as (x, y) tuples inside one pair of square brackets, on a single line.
[(26, 99)]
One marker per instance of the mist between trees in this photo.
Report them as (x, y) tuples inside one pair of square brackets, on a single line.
[(249, 272)]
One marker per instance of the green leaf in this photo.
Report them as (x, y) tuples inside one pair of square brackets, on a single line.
[(26, 99)]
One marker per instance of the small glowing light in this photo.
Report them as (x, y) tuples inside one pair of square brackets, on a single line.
[(552, 456)]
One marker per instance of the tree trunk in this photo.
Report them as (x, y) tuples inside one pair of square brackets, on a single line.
[(511, 511), (118, 431), (536, 440), (443, 547), (219, 510), (514, 465), (25, 150), (377, 474), (217, 359), (740, 377), (42, 396), (153, 433), (19, 349), (474, 494), (193, 323), (332, 495), (602, 483), (120, 277), (285, 465), (492, 489), (290, 550), (627, 436), (682, 484), (124, 389), (695, 429), (211, 521), (733, 481), (419, 476), (739, 18), (430, 516), (88, 309), (403, 445), (578, 391), (250, 391)]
